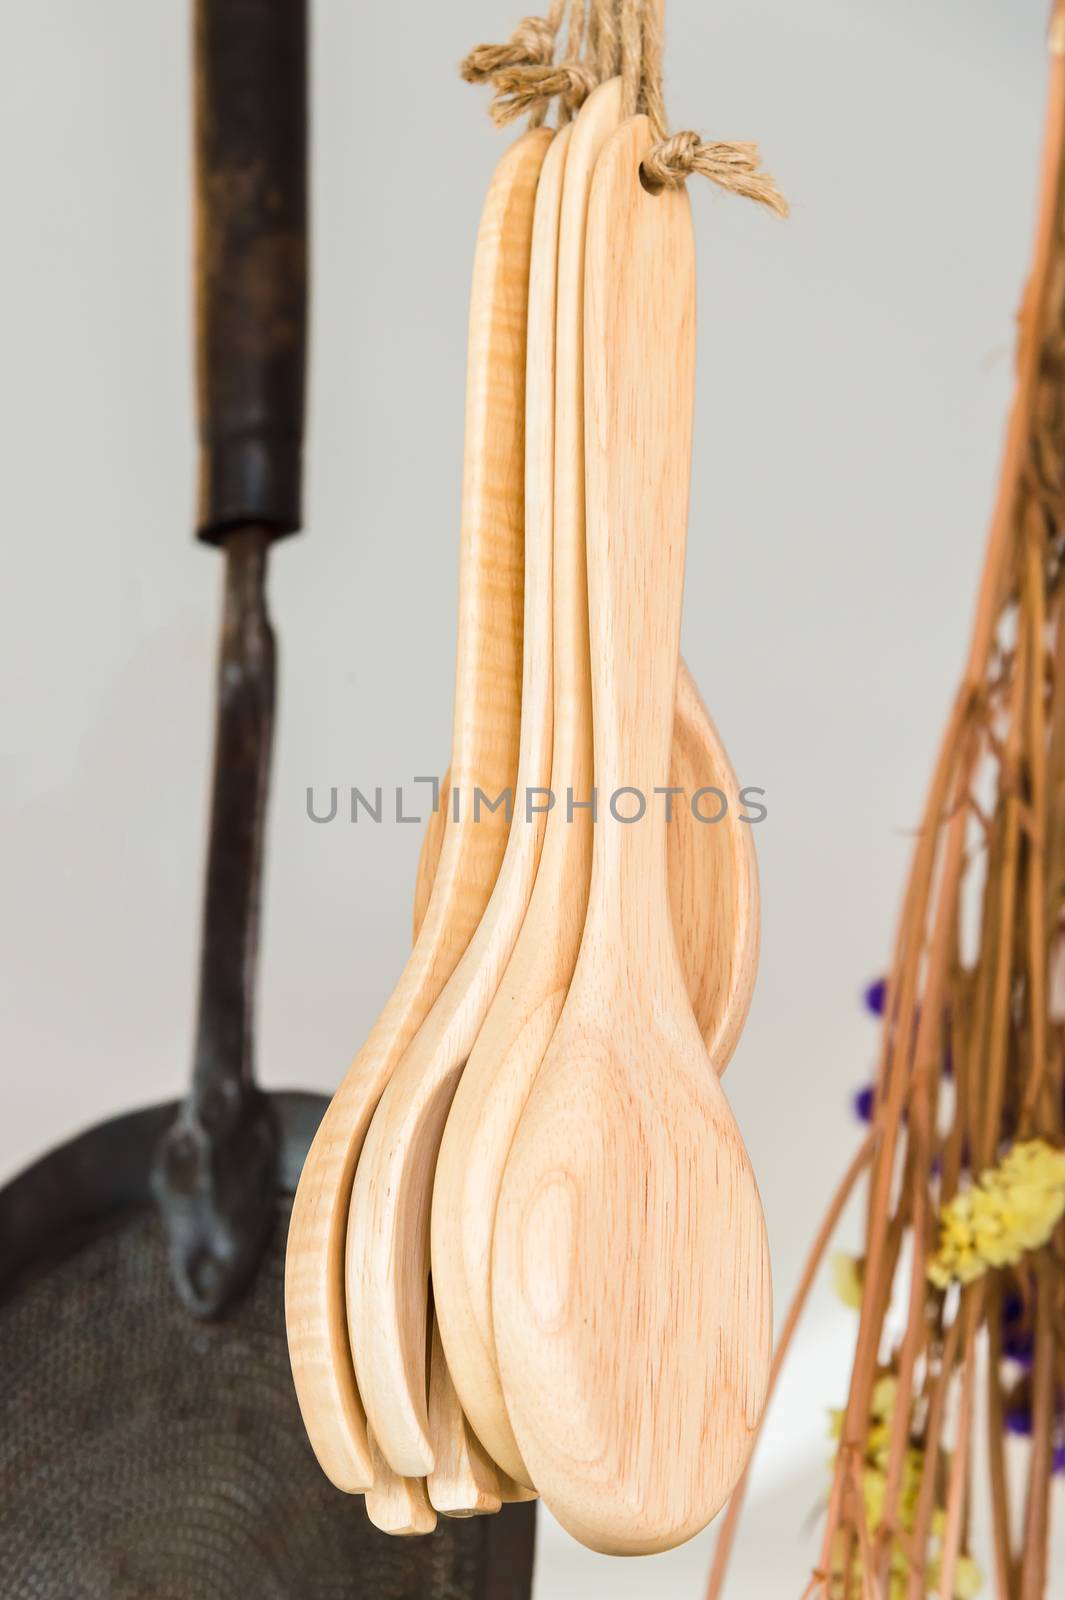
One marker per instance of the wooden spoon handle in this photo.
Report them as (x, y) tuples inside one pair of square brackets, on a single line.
[(639, 355)]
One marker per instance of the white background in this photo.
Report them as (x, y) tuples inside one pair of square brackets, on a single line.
[(854, 368)]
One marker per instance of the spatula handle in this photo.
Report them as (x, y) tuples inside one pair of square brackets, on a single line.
[(251, 261), (215, 1169)]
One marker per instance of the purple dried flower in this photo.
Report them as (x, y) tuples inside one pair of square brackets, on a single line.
[(874, 996), (863, 1103), (1019, 1420), (1018, 1417), (1016, 1332)]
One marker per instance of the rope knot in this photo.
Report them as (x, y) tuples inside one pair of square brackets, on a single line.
[(735, 167), (530, 45), (522, 89), (672, 161), (609, 38)]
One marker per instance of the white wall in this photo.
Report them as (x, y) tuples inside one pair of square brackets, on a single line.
[(854, 368)]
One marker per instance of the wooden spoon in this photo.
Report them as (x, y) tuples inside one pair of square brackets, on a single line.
[(397, 1505), (484, 753), (464, 1481), (713, 881), (631, 1292), (388, 1225), (713, 878)]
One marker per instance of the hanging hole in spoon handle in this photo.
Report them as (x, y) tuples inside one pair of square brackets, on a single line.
[(651, 185), (214, 1173)]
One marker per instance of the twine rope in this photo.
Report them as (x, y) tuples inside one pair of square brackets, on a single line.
[(524, 73), (531, 44), (607, 38), (531, 89), (604, 41)]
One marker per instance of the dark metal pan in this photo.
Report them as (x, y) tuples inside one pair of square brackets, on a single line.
[(150, 1441)]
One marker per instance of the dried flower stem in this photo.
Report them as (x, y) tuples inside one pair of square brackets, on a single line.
[(958, 1487), (1007, 724), (926, 1500), (1034, 1556)]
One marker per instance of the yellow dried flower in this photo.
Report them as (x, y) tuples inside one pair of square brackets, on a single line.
[(1013, 1207), (968, 1578), (885, 1390), (847, 1279)]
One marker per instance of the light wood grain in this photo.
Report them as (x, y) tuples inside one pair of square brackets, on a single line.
[(397, 1505), (630, 1274), (429, 856), (388, 1225), (714, 903), (510, 1047), (713, 880), (463, 1482), (484, 753)]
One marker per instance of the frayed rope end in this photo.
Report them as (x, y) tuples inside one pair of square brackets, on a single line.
[(735, 167), (530, 45), (524, 89)]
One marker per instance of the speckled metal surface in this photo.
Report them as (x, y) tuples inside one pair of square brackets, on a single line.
[(146, 1453)]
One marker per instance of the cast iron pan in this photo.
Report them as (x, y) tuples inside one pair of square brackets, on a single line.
[(150, 1443)]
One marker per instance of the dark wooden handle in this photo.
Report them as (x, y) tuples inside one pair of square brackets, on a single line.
[(251, 261)]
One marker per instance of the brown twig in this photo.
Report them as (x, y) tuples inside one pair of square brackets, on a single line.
[(811, 1267), (1007, 724)]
